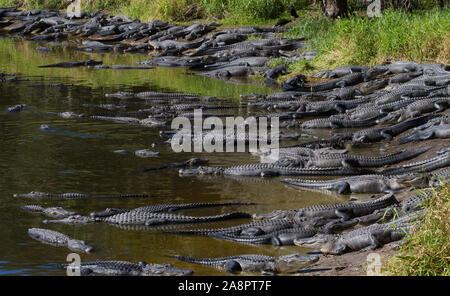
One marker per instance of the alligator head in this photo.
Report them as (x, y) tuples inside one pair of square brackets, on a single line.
[(32, 194), (163, 269), (315, 241), (278, 214), (58, 212), (73, 219), (196, 161), (293, 262), (408, 180), (79, 245)]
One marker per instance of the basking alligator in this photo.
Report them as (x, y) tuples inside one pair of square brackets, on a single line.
[(255, 263), (188, 163), (332, 211), (270, 170), (167, 208), (117, 268), (38, 194), (360, 184), (438, 131), (16, 108), (424, 166), (59, 239), (56, 212), (366, 238), (352, 160)]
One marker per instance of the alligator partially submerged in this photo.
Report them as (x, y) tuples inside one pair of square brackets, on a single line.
[(360, 184), (255, 263), (55, 212), (58, 239), (188, 163), (38, 194), (125, 268), (73, 64)]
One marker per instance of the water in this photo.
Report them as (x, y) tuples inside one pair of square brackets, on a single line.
[(78, 157)]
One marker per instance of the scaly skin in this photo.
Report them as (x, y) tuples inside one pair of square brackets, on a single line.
[(124, 268), (255, 263), (37, 194), (358, 184), (59, 239), (56, 212)]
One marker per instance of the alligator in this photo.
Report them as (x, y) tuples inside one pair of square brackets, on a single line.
[(59, 239), (105, 106), (124, 268), (336, 122), (438, 131), (427, 165), (371, 86), (267, 265), (280, 237), (121, 67), (332, 211), (405, 77), (254, 228), (56, 212), (166, 208), (360, 184), (352, 160), (16, 108), (72, 64), (339, 72), (148, 218), (387, 133), (188, 163), (38, 194), (366, 238), (417, 108), (271, 170), (145, 153)]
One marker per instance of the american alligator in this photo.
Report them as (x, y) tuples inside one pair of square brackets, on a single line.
[(105, 106), (73, 64), (145, 153), (38, 194), (353, 160), (377, 134), (366, 238), (59, 239), (188, 163), (438, 131), (255, 263), (124, 268), (16, 108), (137, 217), (339, 72), (360, 184), (271, 170), (418, 108), (248, 229), (121, 67), (281, 237), (336, 122), (56, 212), (166, 208), (424, 166), (332, 211)]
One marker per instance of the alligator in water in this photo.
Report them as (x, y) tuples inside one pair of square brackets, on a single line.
[(55, 212), (119, 268), (360, 184), (59, 239), (16, 108), (255, 263), (332, 211), (167, 208), (73, 64), (188, 163), (144, 153), (366, 238), (38, 194)]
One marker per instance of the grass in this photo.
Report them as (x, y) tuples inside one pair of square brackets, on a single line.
[(427, 251), (422, 36)]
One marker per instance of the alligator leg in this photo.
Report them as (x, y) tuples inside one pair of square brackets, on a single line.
[(343, 188), (373, 244), (233, 266), (385, 134)]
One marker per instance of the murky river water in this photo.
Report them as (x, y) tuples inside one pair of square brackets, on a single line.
[(79, 158)]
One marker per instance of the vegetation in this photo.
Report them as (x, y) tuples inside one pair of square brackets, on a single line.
[(427, 251), (422, 36)]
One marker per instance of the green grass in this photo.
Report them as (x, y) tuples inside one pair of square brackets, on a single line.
[(427, 251), (422, 36)]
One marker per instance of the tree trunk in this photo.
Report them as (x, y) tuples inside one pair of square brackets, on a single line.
[(334, 8)]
